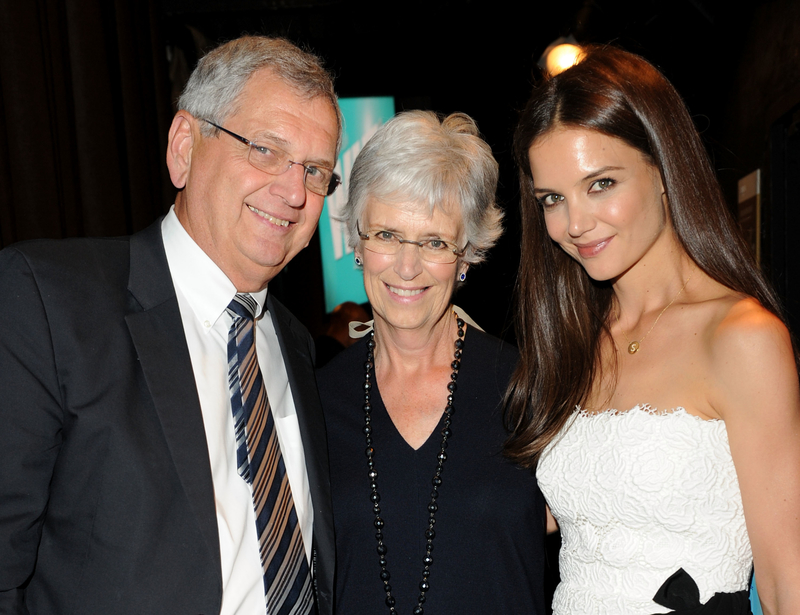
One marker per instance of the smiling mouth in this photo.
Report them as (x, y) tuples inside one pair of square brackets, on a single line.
[(403, 292), (266, 216), (587, 250)]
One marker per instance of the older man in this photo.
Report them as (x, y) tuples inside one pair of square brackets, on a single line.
[(162, 449)]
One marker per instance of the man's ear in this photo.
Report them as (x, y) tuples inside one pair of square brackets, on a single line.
[(179, 148)]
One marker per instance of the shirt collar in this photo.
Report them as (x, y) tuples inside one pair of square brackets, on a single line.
[(207, 289)]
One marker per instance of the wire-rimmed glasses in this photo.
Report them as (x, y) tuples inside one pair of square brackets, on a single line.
[(432, 250), (275, 161)]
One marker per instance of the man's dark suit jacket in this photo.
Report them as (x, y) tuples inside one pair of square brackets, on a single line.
[(106, 496)]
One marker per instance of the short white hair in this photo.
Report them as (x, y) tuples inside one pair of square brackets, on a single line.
[(421, 157)]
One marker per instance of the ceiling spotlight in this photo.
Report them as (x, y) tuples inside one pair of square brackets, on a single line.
[(562, 57), (561, 54)]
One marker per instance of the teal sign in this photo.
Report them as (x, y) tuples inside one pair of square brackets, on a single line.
[(342, 279)]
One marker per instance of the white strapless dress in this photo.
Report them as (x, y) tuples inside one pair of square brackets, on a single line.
[(638, 495)]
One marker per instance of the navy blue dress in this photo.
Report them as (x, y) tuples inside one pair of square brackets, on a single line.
[(490, 526)]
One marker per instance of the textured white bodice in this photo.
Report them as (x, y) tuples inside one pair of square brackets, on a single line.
[(637, 495)]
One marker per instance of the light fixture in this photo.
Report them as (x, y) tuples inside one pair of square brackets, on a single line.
[(561, 54)]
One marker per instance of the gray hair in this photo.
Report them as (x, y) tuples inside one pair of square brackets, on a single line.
[(427, 159), (214, 86)]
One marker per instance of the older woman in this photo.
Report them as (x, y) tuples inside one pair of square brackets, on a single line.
[(428, 514)]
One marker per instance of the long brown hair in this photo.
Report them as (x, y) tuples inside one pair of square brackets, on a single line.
[(562, 313)]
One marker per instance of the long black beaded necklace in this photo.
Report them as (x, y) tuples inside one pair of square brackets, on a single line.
[(427, 561)]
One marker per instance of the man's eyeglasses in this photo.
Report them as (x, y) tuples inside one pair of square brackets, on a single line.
[(273, 160), (431, 250)]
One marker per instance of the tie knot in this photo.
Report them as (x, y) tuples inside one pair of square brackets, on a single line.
[(244, 306)]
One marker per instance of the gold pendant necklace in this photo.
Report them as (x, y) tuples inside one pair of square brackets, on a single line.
[(633, 346)]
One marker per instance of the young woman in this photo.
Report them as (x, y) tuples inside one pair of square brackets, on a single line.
[(657, 390)]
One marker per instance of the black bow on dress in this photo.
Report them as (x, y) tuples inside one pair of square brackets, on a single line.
[(680, 593)]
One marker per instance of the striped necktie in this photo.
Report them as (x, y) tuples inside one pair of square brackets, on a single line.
[(287, 578)]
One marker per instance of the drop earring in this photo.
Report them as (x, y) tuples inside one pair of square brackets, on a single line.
[(358, 261), (462, 276)]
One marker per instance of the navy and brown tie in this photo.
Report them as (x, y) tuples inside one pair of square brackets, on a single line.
[(287, 578)]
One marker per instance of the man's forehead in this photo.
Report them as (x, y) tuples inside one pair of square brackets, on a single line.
[(268, 104)]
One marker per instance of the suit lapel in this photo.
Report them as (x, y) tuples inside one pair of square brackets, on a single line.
[(157, 333)]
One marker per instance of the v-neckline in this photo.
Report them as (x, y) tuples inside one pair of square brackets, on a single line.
[(436, 430)]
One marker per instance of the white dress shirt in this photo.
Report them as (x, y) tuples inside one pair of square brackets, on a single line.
[(203, 293)]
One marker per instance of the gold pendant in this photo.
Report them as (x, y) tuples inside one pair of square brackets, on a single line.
[(633, 347)]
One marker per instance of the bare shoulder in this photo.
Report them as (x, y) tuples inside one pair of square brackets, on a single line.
[(746, 330), (751, 358), (729, 324)]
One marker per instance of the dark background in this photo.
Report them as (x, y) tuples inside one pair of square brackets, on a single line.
[(87, 90)]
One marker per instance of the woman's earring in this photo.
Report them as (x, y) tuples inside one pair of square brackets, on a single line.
[(358, 261), (462, 276)]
